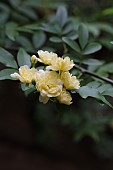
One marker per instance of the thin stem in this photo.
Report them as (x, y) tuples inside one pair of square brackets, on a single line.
[(84, 71), (65, 48)]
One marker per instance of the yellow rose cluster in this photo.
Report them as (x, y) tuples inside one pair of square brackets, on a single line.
[(53, 81)]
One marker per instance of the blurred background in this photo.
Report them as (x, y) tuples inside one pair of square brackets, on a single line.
[(53, 137)]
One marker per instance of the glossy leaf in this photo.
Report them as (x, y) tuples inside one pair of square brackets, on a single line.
[(4, 12), (86, 91), (39, 39), (25, 43), (106, 69), (94, 84), (29, 12), (7, 58), (91, 48), (94, 62), (103, 88), (72, 35), (32, 27), (15, 3), (11, 31), (28, 89), (23, 58), (83, 35), (61, 15), (71, 44), (68, 28), (50, 28), (55, 39), (108, 92), (5, 74)]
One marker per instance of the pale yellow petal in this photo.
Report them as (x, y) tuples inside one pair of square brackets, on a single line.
[(60, 64), (49, 83), (46, 57), (65, 97), (43, 99), (70, 82)]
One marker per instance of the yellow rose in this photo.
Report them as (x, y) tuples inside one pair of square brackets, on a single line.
[(49, 83), (70, 82), (46, 57), (65, 97), (43, 98), (26, 75), (60, 64)]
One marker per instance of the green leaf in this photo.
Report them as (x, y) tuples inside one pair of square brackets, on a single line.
[(105, 27), (61, 15), (72, 35), (102, 98), (50, 28), (108, 11), (15, 3), (28, 89), (5, 74), (86, 91), (55, 39), (4, 13), (91, 48), (72, 56), (10, 30), (94, 62), (94, 84), (68, 28), (7, 58), (39, 39), (71, 44), (92, 27), (108, 92), (83, 35), (30, 13), (23, 29), (25, 42), (23, 58), (106, 69), (32, 27), (19, 17), (104, 88)]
